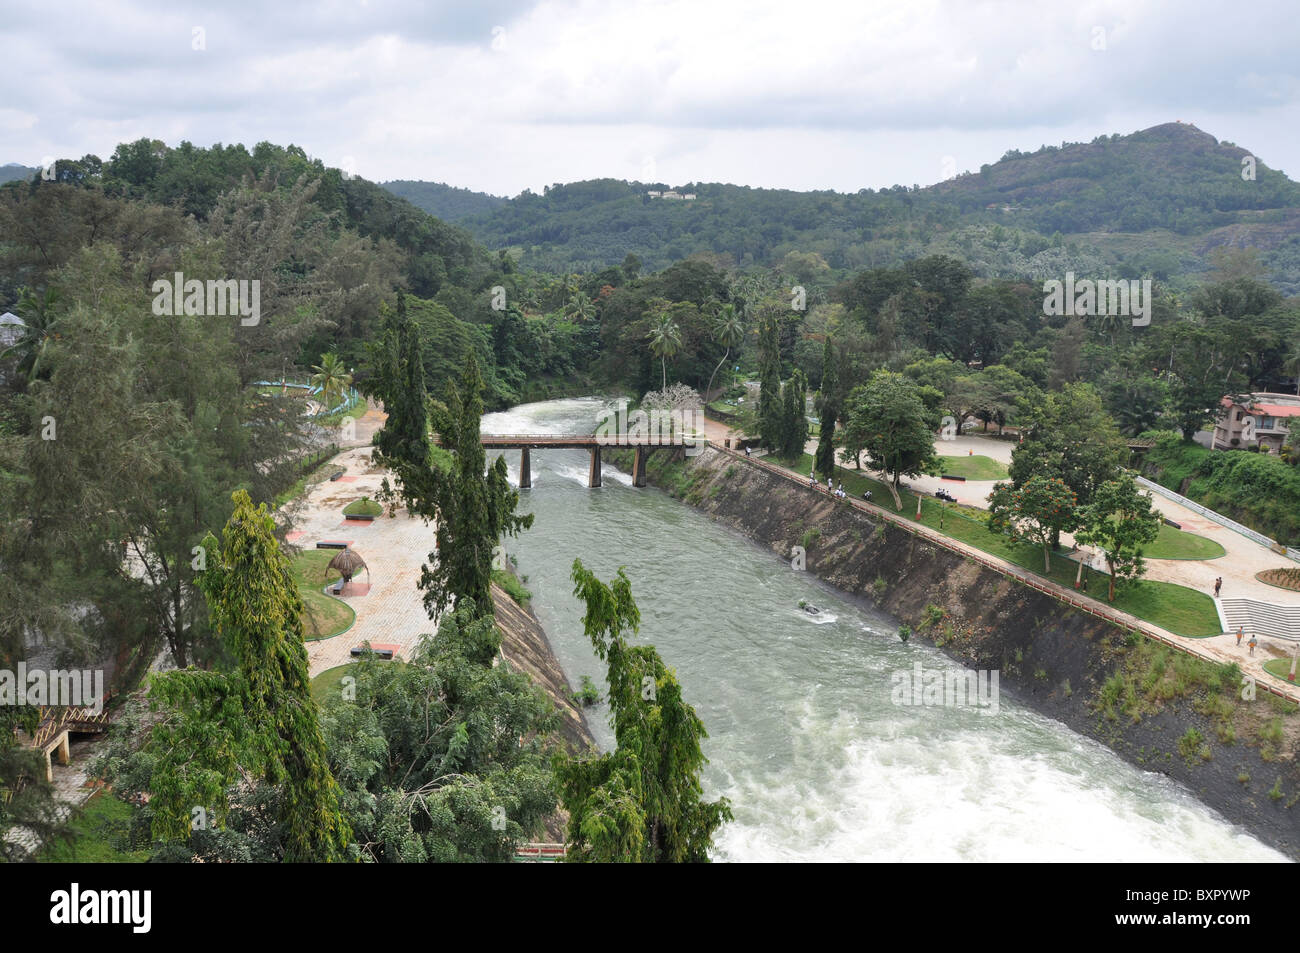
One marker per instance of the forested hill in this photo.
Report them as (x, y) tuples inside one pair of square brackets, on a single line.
[(11, 171), (190, 180), (1159, 201), (447, 202)]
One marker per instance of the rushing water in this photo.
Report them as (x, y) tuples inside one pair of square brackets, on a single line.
[(804, 737)]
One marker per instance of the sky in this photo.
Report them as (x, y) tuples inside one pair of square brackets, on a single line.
[(500, 96)]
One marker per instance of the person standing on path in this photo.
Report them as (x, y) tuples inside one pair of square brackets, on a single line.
[(1251, 643), (1239, 635), (1218, 584)]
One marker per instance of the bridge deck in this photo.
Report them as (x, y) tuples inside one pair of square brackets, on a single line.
[(583, 441)]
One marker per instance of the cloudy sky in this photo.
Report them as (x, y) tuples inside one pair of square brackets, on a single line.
[(499, 95)]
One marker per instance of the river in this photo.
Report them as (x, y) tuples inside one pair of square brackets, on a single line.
[(804, 735)]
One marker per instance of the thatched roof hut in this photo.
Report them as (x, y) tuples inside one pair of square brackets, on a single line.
[(348, 563)]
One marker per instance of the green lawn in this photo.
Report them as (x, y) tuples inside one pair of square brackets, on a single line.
[(323, 616), (104, 820), (1175, 608), (1280, 667), (327, 682), (1178, 544), (363, 507), (973, 468)]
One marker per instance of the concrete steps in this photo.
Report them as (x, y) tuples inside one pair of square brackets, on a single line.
[(1261, 618)]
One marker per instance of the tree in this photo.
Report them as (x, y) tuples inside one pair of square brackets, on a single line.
[(1120, 521), (473, 504), (398, 382), (1038, 512), (259, 719), (1071, 437), (642, 802), (794, 417), (441, 759), (665, 337), (27, 800), (769, 381), (729, 331), (828, 411), (41, 327), (332, 379), (887, 419)]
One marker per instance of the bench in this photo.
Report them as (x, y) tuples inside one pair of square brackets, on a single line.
[(332, 544), (382, 651)]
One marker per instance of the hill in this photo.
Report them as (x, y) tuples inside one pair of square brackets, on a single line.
[(447, 202), (1160, 201), (11, 171)]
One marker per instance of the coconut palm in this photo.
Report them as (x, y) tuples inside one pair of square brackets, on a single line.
[(729, 331), (665, 336), (38, 331), (332, 379), (579, 308)]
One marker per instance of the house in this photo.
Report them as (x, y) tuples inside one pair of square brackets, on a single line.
[(653, 194), (672, 195), (689, 196), (10, 329), (1271, 413)]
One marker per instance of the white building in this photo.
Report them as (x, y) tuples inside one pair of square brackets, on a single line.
[(10, 329)]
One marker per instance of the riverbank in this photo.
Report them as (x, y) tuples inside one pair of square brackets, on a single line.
[(525, 646), (1157, 707)]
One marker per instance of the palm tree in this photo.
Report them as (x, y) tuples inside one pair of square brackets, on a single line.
[(579, 308), (331, 378), (1292, 365), (665, 336), (729, 331), (37, 333)]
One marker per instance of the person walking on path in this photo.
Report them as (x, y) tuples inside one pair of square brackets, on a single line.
[(1239, 635), (1251, 643), (1218, 584)]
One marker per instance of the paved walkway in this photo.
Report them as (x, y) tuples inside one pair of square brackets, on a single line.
[(394, 550)]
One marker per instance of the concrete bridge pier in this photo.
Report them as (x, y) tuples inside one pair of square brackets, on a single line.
[(525, 470), (639, 466), (593, 474)]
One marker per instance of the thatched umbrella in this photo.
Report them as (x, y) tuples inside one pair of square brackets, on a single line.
[(348, 564)]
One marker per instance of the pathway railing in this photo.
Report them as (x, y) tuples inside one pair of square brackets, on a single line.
[(1219, 518)]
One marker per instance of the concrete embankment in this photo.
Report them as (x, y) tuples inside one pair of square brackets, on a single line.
[(525, 646), (1160, 708)]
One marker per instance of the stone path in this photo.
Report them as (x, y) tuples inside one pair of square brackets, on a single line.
[(394, 549)]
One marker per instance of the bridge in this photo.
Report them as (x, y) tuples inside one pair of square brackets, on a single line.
[(644, 444)]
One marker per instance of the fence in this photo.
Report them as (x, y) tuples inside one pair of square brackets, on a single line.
[(1219, 518), (1045, 586)]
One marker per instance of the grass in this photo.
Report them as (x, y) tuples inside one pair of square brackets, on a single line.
[(363, 507), (327, 682), (102, 822), (323, 616), (315, 469), (973, 468), (1279, 668), (1172, 607), (1178, 544), (513, 587)]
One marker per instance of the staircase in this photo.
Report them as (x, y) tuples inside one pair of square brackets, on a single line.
[(1261, 618)]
